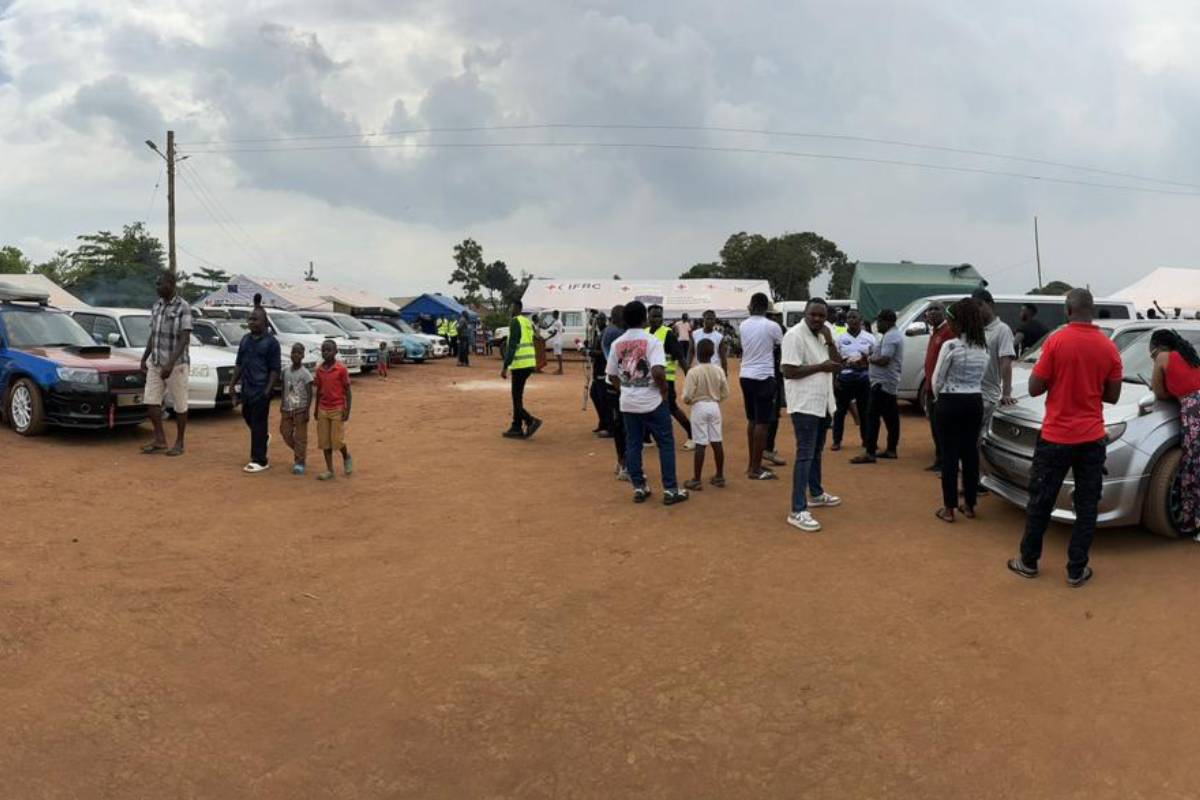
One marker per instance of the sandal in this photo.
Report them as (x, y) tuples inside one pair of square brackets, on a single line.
[(969, 513), (149, 449), (863, 460), (719, 482), (945, 514), (693, 485)]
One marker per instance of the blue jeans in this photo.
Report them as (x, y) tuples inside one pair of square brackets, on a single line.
[(658, 423), (810, 441)]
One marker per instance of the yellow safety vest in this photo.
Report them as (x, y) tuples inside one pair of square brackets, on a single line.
[(441, 327), (524, 358), (661, 333), (838, 330), (453, 329)]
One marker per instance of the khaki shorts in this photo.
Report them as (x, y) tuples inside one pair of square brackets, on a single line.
[(331, 429), (176, 386)]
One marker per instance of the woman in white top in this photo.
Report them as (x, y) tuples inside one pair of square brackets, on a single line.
[(958, 387)]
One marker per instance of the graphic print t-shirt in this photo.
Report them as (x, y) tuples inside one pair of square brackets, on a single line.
[(632, 356)]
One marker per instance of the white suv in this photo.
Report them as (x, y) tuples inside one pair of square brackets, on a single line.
[(126, 331), (290, 328)]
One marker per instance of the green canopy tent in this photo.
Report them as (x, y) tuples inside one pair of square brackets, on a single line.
[(877, 286)]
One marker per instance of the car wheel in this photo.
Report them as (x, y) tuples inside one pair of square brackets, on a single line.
[(26, 413), (1162, 509)]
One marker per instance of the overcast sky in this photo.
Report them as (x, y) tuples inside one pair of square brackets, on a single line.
[(1110, 85)]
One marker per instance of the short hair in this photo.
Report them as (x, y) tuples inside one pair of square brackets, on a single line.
[(709, 311), (555, 314), (887, 314), (936, 305), (517, 305), (815, 301), (982, 295), (653, 307), (257, 298), (759, 302), (635, 314), (1080, 300), (297, 344), (705, 349), (1031, 308)]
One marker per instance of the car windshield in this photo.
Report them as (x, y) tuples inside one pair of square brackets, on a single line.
[(403, 326), (904, 315), (43, 329), (286, 322), (233, 331), (349, 323), (1031, 356), (324, 327), (377, 326), (137, 330), (1135, 359)]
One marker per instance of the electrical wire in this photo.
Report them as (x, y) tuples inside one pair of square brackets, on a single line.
[(216, 204), (838, 137), (707, 149), (154, 194), (215, 218)]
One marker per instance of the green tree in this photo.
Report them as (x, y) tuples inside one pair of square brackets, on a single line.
[(13, 261), (210, 279), (841, 279), (789, 263), (705, 271), (57, 268), (1052, 288), (499, 283), (470, 271), (108, 269)]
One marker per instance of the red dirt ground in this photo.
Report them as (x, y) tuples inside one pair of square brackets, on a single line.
[(481, 618)]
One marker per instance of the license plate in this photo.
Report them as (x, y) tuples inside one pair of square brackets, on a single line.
[(129, 399)]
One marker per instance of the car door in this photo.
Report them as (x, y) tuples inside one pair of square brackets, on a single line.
[(103, 327), (207, 333)]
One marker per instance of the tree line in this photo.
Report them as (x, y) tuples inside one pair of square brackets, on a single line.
[(112, 269)]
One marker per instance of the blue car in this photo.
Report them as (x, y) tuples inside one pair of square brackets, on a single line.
[(53, 373)]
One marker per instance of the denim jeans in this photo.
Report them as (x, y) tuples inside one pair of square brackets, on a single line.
[(806, 475), (1050, 465), (256, 411), (658, 423)]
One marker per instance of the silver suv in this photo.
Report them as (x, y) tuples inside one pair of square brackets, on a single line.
[(1141, 482)]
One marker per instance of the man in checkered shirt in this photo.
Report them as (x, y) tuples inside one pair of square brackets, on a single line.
[(166, 364)]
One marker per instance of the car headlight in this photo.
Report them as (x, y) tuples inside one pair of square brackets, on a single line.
[(198, 370), (79, 375), (1114, 431)]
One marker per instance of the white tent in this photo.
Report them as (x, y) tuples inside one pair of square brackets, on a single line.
[(1170, 287), (728, 299), (59, 297), (295, 295)]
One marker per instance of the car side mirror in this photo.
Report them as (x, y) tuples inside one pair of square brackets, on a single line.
[(114, 339), (916, 329), (1146, 404)]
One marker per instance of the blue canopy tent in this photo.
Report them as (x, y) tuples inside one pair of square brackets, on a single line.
[(421, 311)]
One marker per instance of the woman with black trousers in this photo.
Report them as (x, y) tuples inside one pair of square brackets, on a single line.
[(957, 387)]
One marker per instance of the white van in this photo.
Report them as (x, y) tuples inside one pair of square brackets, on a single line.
[(793, 310), (1052, 313)]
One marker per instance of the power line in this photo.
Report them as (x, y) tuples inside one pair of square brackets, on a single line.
[(708, 129), (706, 149), (208, 210), (154, 194), (202, 259), (216, 203)]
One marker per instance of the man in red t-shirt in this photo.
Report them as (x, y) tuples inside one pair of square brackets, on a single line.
[(940, 333), (1080, 369)]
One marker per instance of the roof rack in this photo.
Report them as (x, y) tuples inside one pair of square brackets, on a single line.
[(17, 294)]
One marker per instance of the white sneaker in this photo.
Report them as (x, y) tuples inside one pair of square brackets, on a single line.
[(253, 467), (804, 521), (826, 499), (623, 475), (689, 445)]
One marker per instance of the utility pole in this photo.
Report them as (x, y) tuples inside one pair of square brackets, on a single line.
[(171, 202), (170, 159), (1037, 249)]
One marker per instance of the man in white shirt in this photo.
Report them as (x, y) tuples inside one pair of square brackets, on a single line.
[(759, 336), (710, 332), (810, 358), (556, 340), (683, 332), (637, 369), (852, 384)]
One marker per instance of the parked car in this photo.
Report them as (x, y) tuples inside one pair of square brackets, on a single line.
[(439, 347), (226, 334), (52, 373), (910, 320), (127, 330), (349, 352), (1141, 483), (290, 328), (369, 343), (401, 346)]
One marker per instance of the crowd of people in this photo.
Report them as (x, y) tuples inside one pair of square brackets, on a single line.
[(824, 370)]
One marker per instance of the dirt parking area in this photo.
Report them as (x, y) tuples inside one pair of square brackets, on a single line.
[(473, 617)]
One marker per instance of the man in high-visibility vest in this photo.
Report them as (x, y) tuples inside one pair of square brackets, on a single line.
[(520, 359), (452, 335), (675, 359)]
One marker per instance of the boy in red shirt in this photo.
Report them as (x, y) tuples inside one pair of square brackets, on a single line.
[(1080, 368), (332, 385)]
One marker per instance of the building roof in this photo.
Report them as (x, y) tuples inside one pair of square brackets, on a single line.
[(295, 295), (434, 305), (59, 297), (880, 285)]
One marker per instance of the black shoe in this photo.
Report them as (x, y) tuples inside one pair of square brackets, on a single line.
[(1021, 568), (934, 468), (673, 496), (641, 494), (982, 490), (604, 435), (513, 433), (533, 428), (1083, 578)]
